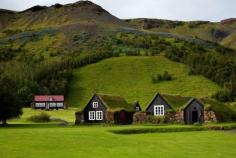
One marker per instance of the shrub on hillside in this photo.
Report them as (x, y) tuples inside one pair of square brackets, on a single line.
[(165, 77), (224, 96), (42, 117)]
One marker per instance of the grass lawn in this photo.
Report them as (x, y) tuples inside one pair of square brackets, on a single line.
[(131, 78), (42, 141), (67, 115)]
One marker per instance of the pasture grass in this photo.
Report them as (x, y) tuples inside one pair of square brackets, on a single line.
[(66, 115), (37, 141)]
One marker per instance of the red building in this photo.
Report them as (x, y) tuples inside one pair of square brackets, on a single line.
[(48, 102)]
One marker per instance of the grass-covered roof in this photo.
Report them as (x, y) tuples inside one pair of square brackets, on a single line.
[(176, 101), (115, 102)]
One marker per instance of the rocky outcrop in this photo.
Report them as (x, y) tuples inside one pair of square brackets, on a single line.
[(219, 34), (228, 21)]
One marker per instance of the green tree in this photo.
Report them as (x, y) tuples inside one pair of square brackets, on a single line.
[(9, 104)]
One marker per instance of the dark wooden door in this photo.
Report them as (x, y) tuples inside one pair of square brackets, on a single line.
[(122, 117), (194, 116)]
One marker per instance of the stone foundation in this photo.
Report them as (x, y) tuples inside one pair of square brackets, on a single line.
[(209, 116), (174, 117), (110, 117), (142, 117), (79, 118)]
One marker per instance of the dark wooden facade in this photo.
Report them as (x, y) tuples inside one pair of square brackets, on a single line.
[(101, 107), (157, 100), (194, 112), (121, 115)]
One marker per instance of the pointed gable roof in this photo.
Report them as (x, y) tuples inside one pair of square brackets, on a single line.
[(156, 96), (190, 102)]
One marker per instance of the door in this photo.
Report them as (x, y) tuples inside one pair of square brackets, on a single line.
[(194, 116), (122, 117)]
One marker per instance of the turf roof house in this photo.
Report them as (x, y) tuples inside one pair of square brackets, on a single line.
[(180, 109), (107, 109)]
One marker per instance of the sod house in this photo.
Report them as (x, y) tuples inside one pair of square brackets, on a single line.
[(178, 109), (103, 108)]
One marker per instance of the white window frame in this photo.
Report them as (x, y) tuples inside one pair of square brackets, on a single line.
[(40, 105), (99, 115), (92, 115), (53, 105), (95, 104), (159, 110), (60, 104)]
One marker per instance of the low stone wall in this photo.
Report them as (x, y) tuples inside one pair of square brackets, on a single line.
[(142, 117), (174, 117), (79, 118), (110, 117), (210, 116), (170, 117)]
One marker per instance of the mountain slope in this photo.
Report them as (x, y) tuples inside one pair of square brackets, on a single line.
[(83, 12), (214, 32)]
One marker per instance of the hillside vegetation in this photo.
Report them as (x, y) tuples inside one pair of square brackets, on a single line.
[(39, 51), (220, 32), (131, 77)]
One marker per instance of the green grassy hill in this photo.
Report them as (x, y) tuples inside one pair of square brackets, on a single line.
[(131, 78)]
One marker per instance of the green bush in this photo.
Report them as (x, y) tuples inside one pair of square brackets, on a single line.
[(165, 77), (224, 96), (42, 117)]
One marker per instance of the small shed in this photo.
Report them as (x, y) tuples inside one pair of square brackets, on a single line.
[(194, 112)]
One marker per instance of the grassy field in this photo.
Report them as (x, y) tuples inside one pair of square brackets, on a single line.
[(131, 77), (37, 141), (66, 115)]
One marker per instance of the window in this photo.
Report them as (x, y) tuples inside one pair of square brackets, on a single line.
[(60, 104), (99, 115), (91, 115), (39, 104), (52, 104), (137, 108), (159, 110), (95, 104)]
